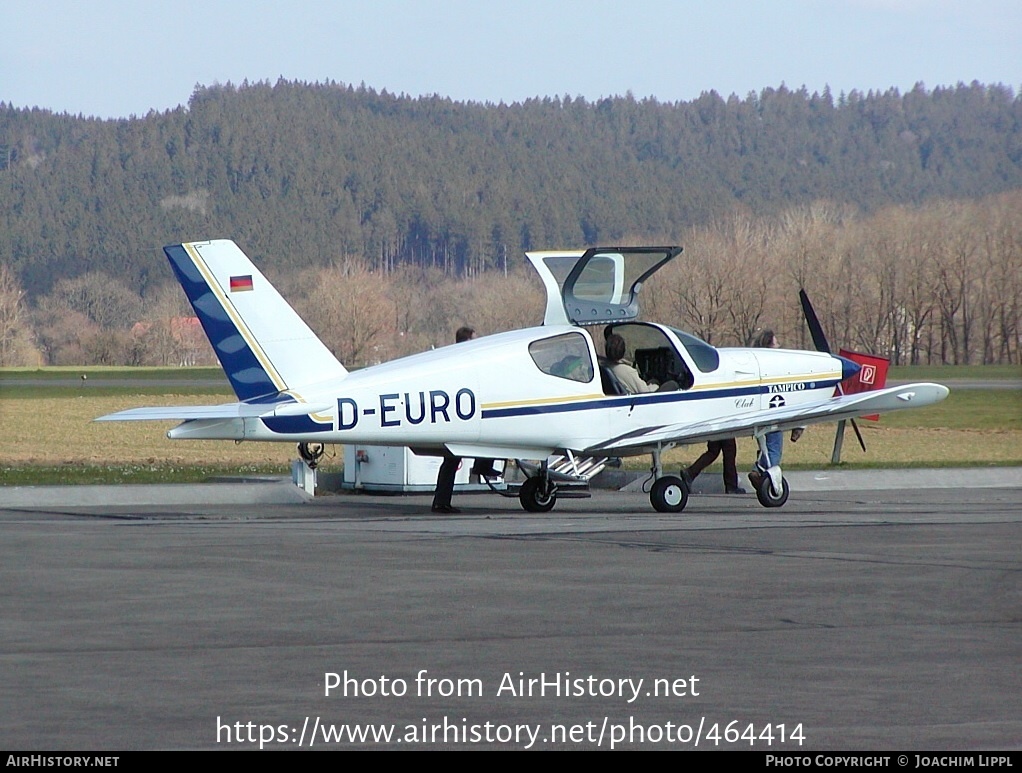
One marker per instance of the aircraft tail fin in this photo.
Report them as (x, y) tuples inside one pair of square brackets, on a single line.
[(265, 348)]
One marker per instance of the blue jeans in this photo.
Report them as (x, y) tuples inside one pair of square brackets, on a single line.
[(775, 446)]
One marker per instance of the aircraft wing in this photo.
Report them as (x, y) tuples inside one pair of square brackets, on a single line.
[(779, 419), (225, 411)]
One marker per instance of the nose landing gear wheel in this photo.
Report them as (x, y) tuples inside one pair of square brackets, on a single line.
[(533, 497), (669, 494), (765, 492)]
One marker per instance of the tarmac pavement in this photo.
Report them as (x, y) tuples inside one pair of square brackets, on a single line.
[(876, 618)]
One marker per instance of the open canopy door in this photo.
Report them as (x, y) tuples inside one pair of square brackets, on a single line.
[(599, 285)]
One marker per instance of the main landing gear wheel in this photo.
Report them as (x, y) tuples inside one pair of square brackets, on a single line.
[(534, 497), (765, 492), (669, 494)]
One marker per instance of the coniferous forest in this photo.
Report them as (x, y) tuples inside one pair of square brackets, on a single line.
[(389, 220)]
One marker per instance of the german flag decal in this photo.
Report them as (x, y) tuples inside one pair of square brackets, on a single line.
[(240, 284)]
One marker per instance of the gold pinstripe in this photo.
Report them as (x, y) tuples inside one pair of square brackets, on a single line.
[(697, 388), (245, 331), (768, 381), (236, 318), (543, 401)]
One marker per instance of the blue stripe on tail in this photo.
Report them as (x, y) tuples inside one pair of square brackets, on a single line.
[(248, 378)]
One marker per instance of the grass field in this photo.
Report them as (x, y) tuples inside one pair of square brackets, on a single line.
[(60, 372), (48, 434), (953, 372)]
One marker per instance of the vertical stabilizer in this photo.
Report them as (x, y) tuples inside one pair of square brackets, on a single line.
[(264, 346)]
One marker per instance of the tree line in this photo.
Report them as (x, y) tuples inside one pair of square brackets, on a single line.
[(426, 205), (938, 283), (929, 284)]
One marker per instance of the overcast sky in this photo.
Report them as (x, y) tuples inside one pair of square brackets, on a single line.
[(115, 58)]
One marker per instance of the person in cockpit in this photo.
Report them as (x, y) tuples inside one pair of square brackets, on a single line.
[(623, 369)]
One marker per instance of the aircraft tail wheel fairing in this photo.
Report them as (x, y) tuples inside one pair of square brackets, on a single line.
[(536, 495), (766, 494), (669, 494)]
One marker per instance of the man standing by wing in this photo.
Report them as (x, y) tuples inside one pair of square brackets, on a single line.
[(715, 448), (449, 468), (774, 440)]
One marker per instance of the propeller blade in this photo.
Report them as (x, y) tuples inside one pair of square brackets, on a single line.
[(858, 434), (820, 342), (815, 328)]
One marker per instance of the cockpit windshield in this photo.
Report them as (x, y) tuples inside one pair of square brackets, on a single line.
[(705, 356)]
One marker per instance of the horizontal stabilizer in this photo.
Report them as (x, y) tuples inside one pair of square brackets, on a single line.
[(225, 411), (185, 412)]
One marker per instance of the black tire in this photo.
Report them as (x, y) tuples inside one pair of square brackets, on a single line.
[(669, 494), (533, 499), (765, 492)]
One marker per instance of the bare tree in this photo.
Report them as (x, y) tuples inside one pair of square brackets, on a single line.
[(808, 245), (351, 313), (696, 288), (752, 277), (16, 345), (103, 299), (494, 303), (169, 333)]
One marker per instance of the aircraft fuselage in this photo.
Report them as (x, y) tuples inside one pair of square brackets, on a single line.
[(498, 396)]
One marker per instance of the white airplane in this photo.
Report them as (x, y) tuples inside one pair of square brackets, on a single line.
[(526, 394)]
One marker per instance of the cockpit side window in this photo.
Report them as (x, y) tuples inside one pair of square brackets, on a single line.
[(565, 356)]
